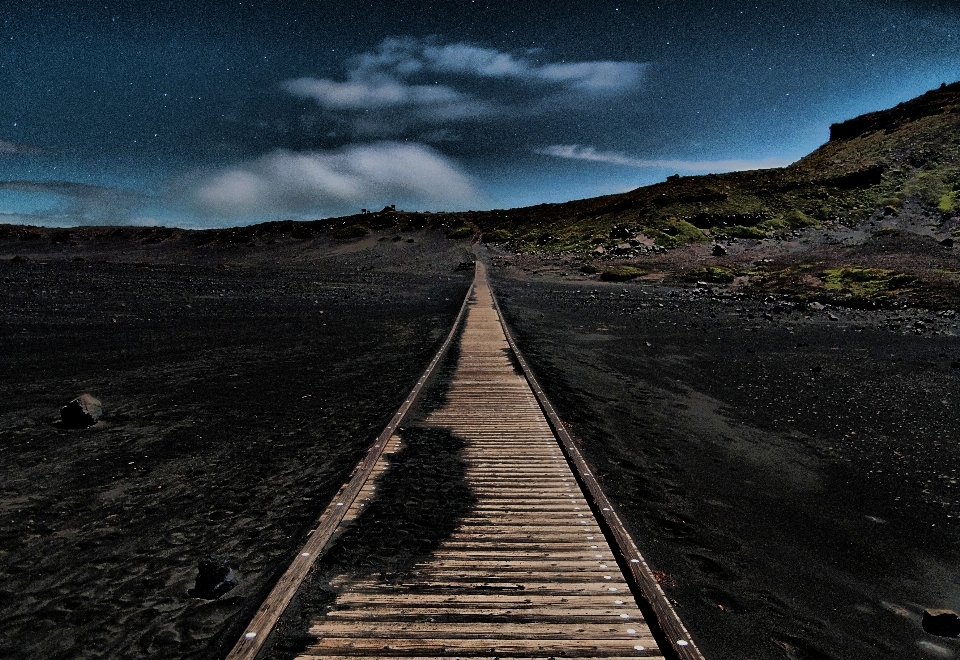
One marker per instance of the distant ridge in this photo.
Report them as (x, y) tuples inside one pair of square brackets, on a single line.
[(935, 102)]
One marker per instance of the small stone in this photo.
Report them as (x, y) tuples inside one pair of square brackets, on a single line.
[(214, 578), (947, 242), (81, 412), (944, 623), (718, 250)]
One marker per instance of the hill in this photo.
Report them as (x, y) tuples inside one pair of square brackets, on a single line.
[(872, 164)]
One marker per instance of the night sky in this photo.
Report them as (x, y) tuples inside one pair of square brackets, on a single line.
[(224, 113)]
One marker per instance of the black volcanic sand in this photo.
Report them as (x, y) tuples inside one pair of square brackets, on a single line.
[(240, 387), (792, 471)]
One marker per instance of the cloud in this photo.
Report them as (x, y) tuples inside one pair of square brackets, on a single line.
[(70, 203), (334, 182), (370, 94), (576, 152), (68, 189), (594, 76), (438, 82), (8, 148)]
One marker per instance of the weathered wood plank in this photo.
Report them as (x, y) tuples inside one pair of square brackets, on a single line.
[(566, 647)]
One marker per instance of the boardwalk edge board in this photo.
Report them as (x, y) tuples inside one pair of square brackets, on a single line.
[(675, 635), (267, 615)]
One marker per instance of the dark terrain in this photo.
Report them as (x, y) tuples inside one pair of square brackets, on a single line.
[(239, 389), (791, 470)]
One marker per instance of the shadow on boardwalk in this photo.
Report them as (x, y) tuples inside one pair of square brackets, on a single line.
[(420, 501)]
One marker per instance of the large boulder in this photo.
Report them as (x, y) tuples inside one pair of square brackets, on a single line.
[(81, 412)]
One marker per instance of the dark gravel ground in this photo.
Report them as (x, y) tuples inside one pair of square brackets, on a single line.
[(789, 468), (792, 470), (240, 387)]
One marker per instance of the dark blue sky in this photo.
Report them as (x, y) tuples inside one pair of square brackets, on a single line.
[(221, 113)]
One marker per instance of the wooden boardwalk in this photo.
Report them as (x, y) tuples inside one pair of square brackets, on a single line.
[(528, 573)]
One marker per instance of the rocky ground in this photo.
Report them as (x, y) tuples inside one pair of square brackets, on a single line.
[(909, 259)]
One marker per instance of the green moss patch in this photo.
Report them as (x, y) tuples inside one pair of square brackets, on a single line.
[(460, 232), (496, 236), (797, 219), (621, 273), (673, 232), (712, 274), (351, 231), (861, 282), (948, 202)]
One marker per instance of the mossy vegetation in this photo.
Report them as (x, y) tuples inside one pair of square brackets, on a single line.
[(351, 231), (711, 274), (674, 231), (621, 273), (859, 282), (949, 202), (496, 236), (460, 232)]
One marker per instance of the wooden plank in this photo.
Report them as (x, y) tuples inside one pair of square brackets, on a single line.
[(478, 630), (503, 598), (468, 613), (645, 653), (566, 647)]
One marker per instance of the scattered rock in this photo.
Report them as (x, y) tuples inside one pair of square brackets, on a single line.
[(600, 250), (718, 250), (947, 242), (620, 231), (816, 306), (214, 578), (944, 623), (81, 412), (19, 259)]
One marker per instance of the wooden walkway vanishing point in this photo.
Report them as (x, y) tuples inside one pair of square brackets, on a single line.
[(529, 573)]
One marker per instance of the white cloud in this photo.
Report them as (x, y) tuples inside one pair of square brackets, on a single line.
[(595, 76), (406, 73), (370, 93), (334, 182), (576, 152), (17, 149)]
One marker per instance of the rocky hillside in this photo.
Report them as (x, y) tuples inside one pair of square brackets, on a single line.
[(872, 166)]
